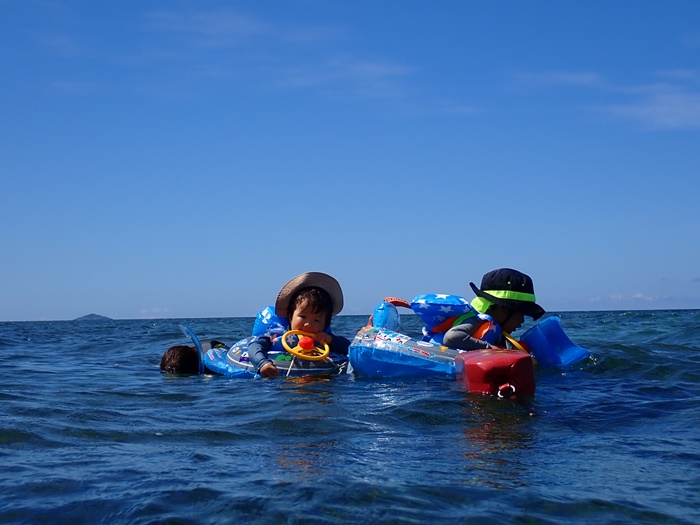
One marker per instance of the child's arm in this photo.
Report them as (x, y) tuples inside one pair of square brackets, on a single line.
[(323, 338), (460, 336), (269, 370), (257, 353), (337, 344)]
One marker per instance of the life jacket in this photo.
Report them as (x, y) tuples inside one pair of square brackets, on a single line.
[(440, 312), (267, 321), (487, 329)]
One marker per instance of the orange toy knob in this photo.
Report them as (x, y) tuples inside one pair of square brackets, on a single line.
[(306, 342)]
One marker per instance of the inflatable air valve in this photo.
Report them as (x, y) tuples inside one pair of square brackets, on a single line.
[(551, 346)]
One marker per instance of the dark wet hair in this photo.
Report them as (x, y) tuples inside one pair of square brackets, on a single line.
[(180, 359), (315, 298)]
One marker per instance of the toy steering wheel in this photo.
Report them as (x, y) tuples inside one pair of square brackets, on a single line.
[(306, 348)]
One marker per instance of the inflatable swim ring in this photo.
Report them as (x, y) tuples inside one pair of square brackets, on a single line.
[(234, 362)]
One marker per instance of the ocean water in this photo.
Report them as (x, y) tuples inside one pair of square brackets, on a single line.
[(92, 433)]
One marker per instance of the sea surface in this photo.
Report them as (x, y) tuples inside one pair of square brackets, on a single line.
[(91, 432)]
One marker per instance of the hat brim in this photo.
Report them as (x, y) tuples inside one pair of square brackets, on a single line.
[(309, 280), (533, 310)]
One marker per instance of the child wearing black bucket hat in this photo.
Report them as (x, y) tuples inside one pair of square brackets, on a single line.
[(505, 297), (308, 301)]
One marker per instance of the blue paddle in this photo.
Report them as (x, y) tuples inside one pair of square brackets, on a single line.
[(200, 351)]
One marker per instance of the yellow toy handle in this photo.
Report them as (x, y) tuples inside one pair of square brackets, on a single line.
[(515, 343), (315, 353)]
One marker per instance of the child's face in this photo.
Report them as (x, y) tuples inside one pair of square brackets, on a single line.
[(307, 321), (511, 320)]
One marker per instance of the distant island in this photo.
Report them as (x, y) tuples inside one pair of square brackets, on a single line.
[(93, 317)]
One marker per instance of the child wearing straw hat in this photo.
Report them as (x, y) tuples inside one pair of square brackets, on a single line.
[(308, 301)]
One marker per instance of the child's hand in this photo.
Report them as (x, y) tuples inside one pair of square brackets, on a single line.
[(323, 338), (268, 370)]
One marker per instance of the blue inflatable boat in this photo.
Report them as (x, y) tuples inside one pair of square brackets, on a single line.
[(383, 353), (380, 350)]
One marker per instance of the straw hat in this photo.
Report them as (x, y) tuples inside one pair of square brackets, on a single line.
[(309, 280)]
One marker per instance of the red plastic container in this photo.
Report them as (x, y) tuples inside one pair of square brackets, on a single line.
[(505, 373)]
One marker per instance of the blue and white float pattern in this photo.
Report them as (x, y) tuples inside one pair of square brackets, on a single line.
[(268, 322), (378, 352), (434, 309)]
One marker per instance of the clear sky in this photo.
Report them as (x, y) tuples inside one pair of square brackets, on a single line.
[(187, 158)]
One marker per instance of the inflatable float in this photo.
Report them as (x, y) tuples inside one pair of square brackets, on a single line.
[(294, 353), (550, 346), (383, 353), (295, 358), (379, 350)]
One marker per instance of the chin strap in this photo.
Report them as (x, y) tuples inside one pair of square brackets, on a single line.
[(515, 343)]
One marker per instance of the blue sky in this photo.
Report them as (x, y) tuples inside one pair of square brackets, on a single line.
[(187, 158)]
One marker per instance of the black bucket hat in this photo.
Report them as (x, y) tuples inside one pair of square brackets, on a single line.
[(510, 288)]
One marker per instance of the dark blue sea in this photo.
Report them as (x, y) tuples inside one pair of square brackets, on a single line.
[(92, 433)]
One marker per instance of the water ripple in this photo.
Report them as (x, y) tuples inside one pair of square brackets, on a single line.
[(92, 432)]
